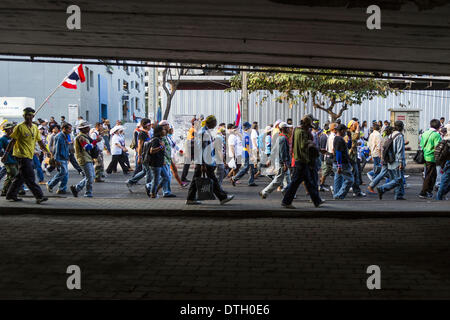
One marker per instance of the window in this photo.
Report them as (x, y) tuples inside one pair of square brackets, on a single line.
[(118, 84), (125, 85), (87, 78), (132, 84), (137, 104), (137, 86), (87, 115)]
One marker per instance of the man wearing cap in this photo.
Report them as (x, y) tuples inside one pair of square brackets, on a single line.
[(23, 141), (282, 162), (83, 145), (248, 160), (305, 161), (326, 145), (204, 163), (354, 129)]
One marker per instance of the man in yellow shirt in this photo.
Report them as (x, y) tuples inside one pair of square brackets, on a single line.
[(24, 139)]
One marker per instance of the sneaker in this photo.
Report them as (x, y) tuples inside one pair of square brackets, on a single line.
[(262, 195), (287, 206), (129, 186), (227, 199), (170, 195), (323, 188), (147, 190), (40, 200), (380, 193), (370, 190), (49, 189), (61, 192), (193, 202), (359, 195), (74, 191), (369, 176), (99, 180)]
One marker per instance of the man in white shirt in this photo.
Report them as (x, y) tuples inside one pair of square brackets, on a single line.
[(375, 151), (327, 164)]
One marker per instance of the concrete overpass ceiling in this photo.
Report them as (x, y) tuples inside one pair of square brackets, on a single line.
[(414, 35)]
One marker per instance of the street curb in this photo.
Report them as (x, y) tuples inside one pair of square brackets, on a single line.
[(224, 213)]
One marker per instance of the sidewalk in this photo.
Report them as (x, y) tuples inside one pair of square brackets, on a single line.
[(239, 208)]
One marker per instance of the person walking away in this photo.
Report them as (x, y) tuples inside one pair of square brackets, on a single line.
[(173, 165), (61, 155), (282, 163), (384, 172), (156, 159), (205, 164), (219, 155), (396, 163), (84, 149), (305, 160), (117, 150), (189, 150), (342, 167), (248, 160), (375, 151), (430, 139), (96, 134), (23, 141)]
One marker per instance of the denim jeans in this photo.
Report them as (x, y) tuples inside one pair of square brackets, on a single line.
[(62, 176), (356, 177), (37, 166), (276, 182), (220, 173), (245, 168), (146, 171), (376, 167), (444, 187), (383, 173), (2, 172), (342, 181), (396, 181), (88, 180), (159, 177), (166, 176)]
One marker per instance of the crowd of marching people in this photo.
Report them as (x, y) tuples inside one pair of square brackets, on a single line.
[(310, 155)]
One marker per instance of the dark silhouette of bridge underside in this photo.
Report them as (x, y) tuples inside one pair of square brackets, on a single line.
[(414, 38)]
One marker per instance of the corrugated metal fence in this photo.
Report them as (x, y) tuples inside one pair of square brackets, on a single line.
[(434, 104)]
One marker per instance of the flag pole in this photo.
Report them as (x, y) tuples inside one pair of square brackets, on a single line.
[(53, 92)]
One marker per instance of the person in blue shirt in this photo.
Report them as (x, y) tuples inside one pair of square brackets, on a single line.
[(61, 155), (248, 162), (11, 166)]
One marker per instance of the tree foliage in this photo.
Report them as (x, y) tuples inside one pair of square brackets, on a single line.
[(332, 93)]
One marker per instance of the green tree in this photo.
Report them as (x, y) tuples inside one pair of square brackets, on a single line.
[(333, 93)]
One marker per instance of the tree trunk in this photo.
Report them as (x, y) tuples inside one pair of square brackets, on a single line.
[(168, 105)]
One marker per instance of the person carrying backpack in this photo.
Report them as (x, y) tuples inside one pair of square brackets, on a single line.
[(430, 139), (394, 156)]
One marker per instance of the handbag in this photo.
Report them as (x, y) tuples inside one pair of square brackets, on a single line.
[(419, 157), (204, 188)]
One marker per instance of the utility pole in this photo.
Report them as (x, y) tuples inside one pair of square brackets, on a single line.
[(245, 116)]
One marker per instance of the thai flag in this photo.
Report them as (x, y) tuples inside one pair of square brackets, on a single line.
[(238, 122), (77, 74)]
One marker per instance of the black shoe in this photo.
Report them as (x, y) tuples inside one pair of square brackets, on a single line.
[(40, 200), (74, 191), (400, 198), (253, 185), (320, 203), (14, 199), (287, 206), (61, 192), (227, 199), (3, 194), (193, 202), (147, 190), (380, 193), (233, 182), (22, 192)]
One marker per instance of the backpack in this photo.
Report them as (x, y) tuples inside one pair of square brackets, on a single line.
[(146, 151), (388, 149), (442, 152)]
